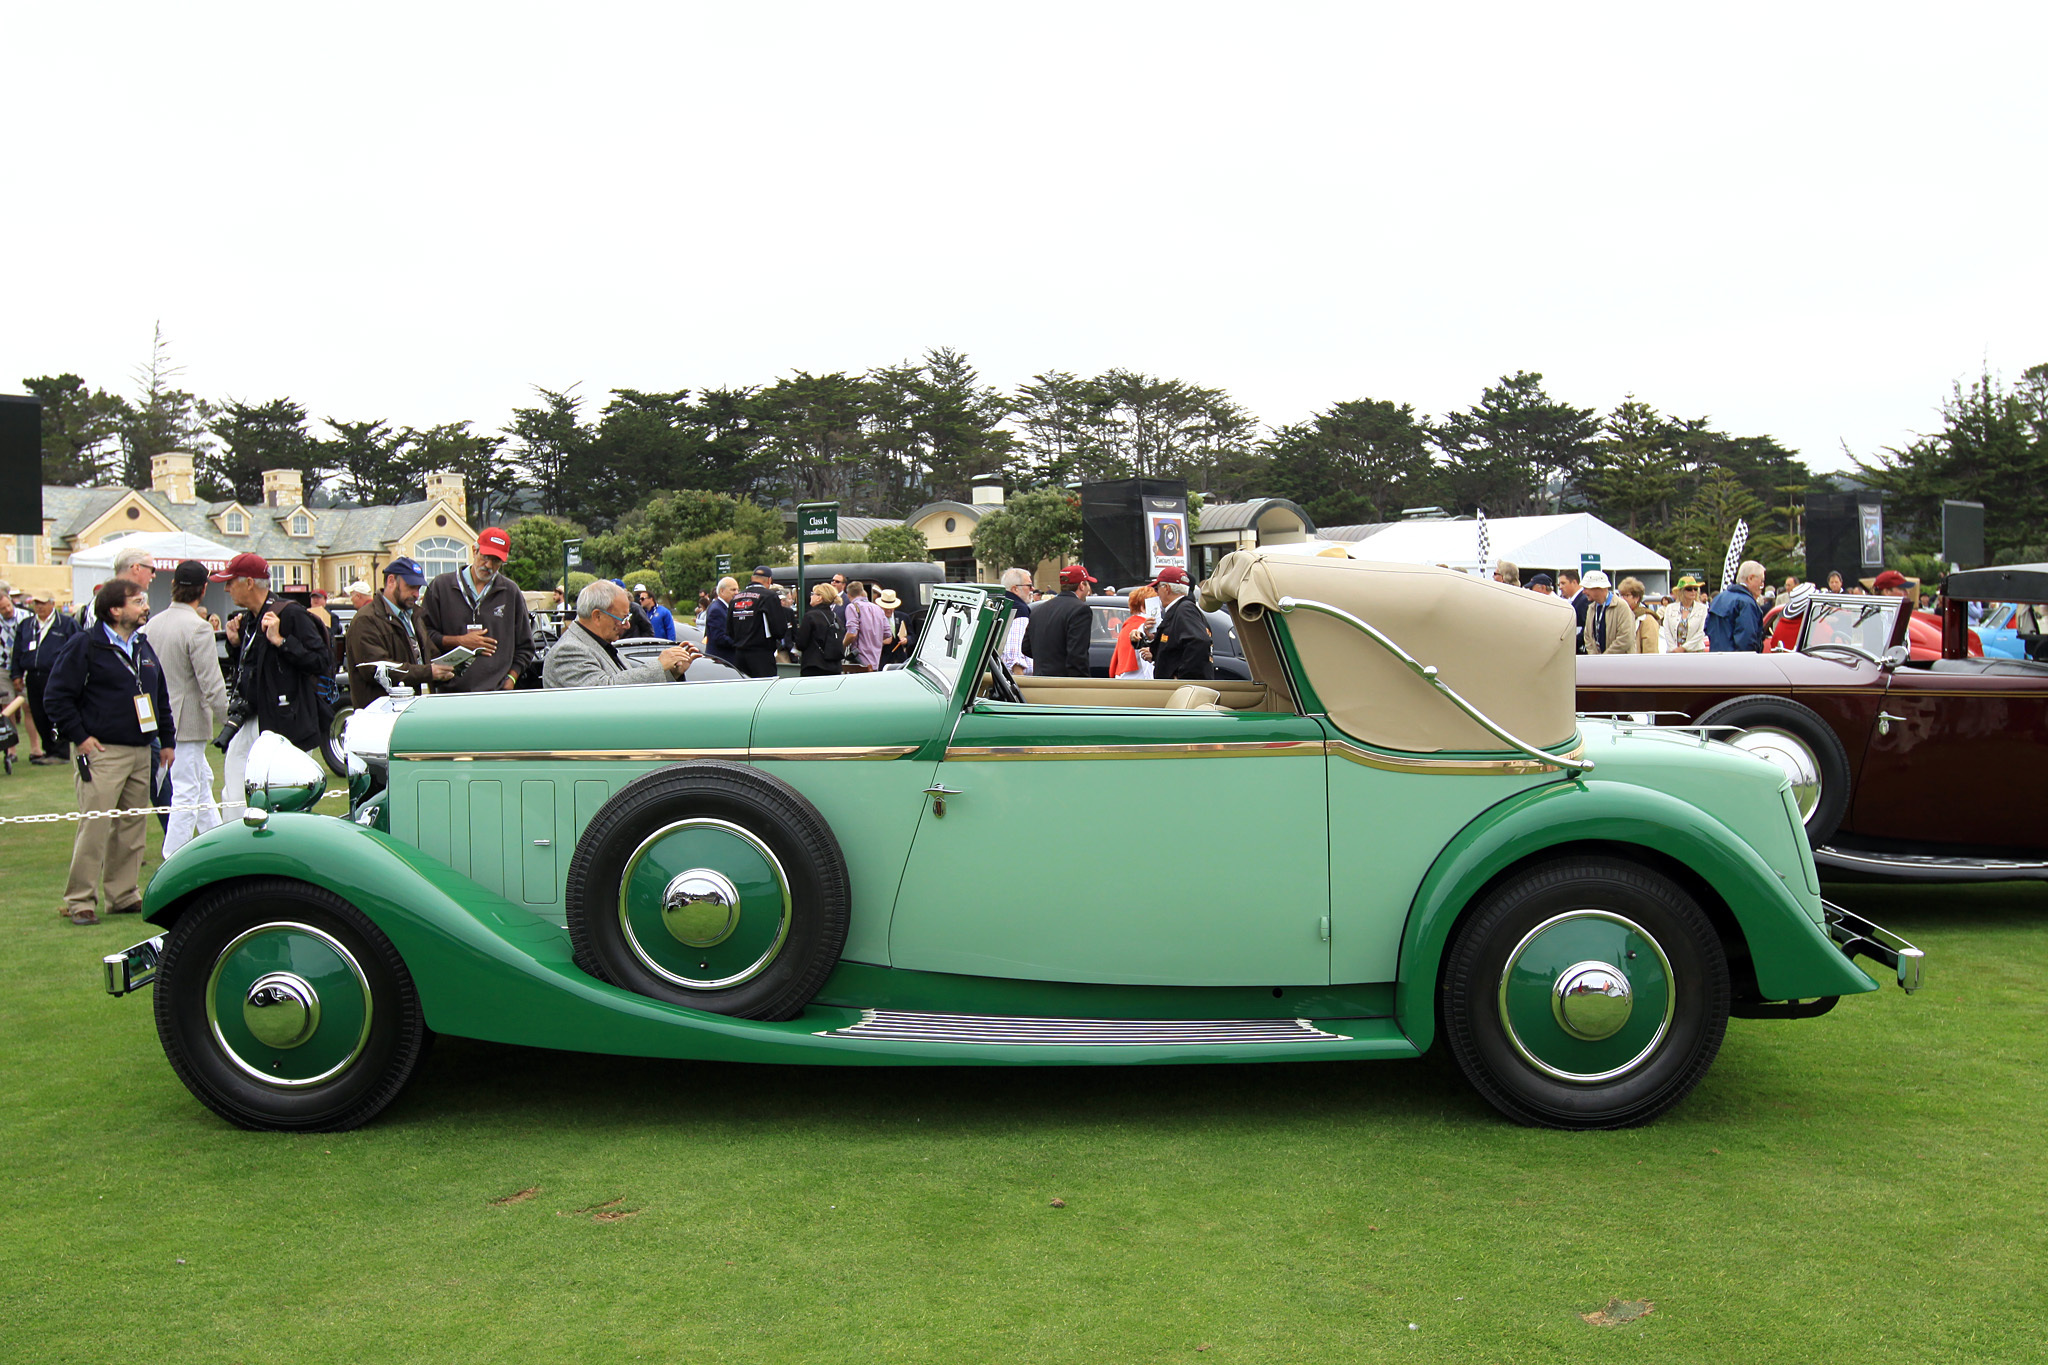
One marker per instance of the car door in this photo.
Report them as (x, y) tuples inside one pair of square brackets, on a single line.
[(1123, 845), (1956, 755)]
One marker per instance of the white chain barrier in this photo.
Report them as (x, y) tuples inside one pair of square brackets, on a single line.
[(57, 816)]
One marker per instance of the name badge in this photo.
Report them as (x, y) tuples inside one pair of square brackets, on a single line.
[(145, 713), (472, 627)]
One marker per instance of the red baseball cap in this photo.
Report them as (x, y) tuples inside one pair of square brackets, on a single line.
[(494, 541), (1890, 578), (1076, 573), (244, 565), (1175, 574)]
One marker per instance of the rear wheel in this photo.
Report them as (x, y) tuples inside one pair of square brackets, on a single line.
[(281, 1006), (1586, 993)]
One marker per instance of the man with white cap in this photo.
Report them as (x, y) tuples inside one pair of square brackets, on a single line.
[(1610, 625)]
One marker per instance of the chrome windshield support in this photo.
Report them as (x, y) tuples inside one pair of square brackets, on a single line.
[(1427, 672)]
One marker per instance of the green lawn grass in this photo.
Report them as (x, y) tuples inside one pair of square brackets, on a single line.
[(1865, 1186)]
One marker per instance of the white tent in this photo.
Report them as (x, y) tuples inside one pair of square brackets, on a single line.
[(167, 550), (1530, 543)]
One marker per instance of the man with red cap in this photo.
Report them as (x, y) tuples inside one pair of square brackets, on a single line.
[(1181, 647), (479, 607), (1890, 583), (1057, 638)]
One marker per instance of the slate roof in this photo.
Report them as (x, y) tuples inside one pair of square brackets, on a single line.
[(1354, 533), (336, 530)]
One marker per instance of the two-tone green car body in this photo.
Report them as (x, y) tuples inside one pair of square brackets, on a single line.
[(1397, 831)]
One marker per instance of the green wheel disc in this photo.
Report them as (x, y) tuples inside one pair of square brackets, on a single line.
[(704, 904), (288, 1004), (1587, 996)]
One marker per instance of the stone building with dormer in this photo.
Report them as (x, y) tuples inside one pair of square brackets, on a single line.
[(323, 547)]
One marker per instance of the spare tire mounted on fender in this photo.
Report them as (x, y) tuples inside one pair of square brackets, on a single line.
[(1801, 744), (710, 885)]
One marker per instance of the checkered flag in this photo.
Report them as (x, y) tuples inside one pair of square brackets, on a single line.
[(1485, 547), (1735, 544)]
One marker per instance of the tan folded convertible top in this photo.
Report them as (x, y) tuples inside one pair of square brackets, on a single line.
[(1506, 650)]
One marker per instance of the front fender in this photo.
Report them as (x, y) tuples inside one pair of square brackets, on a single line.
[(1794, 958)]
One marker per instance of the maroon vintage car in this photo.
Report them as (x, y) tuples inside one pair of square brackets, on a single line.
[(1905, 769)]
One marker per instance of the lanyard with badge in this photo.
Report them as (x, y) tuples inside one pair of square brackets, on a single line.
[(470, 595), (145, 706)]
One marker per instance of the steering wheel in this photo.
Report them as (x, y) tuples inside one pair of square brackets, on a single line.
[(1002, 684), (1836, 645)]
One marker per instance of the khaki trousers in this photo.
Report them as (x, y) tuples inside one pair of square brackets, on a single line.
[(110, 849)]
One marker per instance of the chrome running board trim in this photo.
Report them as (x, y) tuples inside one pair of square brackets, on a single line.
[(918, 1026), (1926, 867)]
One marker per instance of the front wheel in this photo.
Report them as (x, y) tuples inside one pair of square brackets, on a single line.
[(1585, 993), (281, 1006)]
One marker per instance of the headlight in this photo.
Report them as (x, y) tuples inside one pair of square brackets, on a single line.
[(280, 777)]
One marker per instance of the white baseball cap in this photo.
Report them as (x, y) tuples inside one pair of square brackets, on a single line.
[(639, 587), (361, 587), (1594, 579)]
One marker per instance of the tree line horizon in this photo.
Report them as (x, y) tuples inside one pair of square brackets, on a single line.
[(893, 438)]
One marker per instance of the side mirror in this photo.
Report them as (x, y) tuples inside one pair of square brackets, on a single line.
[(1895, 656), (280, 777)]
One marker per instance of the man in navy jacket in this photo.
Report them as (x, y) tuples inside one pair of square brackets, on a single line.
[(1735, 621), (107, 696)]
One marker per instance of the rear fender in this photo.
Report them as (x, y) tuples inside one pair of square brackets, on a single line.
[(1793, 956)]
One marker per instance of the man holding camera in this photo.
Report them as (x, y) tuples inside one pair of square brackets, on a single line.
[(107, 696), (182, 637), (384, 631), (280, 654)]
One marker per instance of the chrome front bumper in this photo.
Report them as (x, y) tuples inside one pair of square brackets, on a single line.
[(1858, 937), (132, 968)]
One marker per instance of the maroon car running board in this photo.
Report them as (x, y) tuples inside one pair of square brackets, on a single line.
[(1922, 867)]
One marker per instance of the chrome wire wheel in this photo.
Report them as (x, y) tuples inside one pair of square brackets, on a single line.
[(1791, 755)]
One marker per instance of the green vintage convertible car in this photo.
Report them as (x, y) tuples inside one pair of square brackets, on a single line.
[(1396, 832)]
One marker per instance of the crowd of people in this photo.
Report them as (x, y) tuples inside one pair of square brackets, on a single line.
[(1624, 618)]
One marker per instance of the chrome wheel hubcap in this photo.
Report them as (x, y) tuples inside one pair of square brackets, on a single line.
[(1592, 1001), (700, 908), (281, 1010)]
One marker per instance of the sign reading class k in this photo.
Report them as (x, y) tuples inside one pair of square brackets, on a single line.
[(817, 522)]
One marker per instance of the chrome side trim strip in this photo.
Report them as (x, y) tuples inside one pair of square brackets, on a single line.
[(991, 753), (1446, 767), (856, 752), (918, 1026), (1427, 672)]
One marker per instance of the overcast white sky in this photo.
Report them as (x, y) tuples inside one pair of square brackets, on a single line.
[(1800, 220)]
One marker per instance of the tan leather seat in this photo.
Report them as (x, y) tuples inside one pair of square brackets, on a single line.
[(1189, 697)]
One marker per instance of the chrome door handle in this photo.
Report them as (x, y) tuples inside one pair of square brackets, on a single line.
[(938, 792), (1885, 721)]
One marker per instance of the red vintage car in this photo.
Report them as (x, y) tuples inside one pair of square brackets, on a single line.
[(1905, 768)]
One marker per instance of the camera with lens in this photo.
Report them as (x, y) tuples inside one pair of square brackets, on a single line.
[(240, 712)]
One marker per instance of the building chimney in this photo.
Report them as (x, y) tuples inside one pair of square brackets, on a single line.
[(447, 486), (171, 475), (988, 495), (283, 488)]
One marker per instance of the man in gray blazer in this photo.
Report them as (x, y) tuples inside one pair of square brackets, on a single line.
[(584, 656), (182, 637)]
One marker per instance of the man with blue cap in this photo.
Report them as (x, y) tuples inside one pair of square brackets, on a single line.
[(386, 632)]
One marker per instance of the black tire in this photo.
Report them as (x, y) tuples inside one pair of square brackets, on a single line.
[(345, 1069), (330, 743), (1800, 743), (1563, 924), (643, 896)]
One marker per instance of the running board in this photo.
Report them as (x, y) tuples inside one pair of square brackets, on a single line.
[(1921, 867), (917, 1026)]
